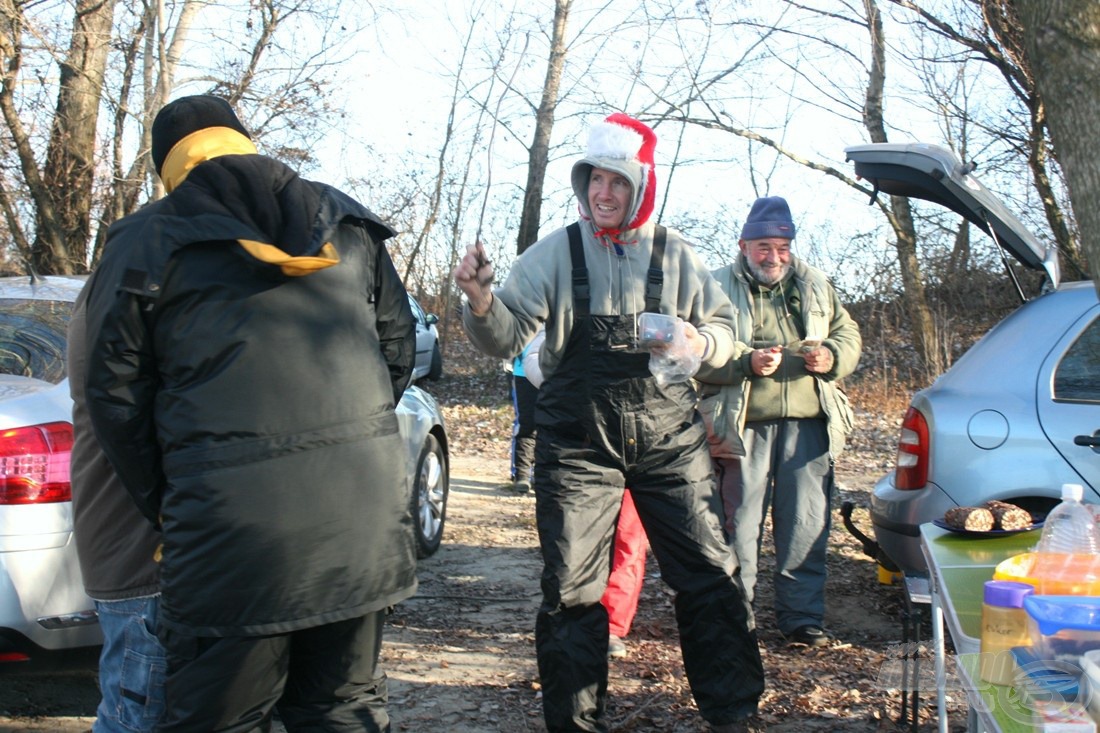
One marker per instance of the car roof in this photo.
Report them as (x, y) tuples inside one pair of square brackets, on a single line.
[(933, 173), (49, 287)]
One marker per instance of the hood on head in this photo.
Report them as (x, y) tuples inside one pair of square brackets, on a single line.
[(623, 145), (190, 130)]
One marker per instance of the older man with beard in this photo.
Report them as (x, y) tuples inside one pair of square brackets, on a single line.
[(775, 416)]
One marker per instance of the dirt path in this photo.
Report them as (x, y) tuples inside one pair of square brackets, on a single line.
[(460, 654)]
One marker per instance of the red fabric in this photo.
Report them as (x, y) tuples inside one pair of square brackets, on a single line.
[(646, 158), (627, 569)]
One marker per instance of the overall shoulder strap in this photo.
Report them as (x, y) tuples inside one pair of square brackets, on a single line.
[(581, 296), (655, 276)]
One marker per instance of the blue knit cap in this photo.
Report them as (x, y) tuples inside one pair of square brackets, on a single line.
[(770, 217)]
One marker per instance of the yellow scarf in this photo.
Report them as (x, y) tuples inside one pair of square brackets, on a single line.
[(199, 147)]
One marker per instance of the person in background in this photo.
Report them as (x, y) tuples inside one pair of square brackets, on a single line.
[(116, 547), (604, 422), (624, 584), (524, 394), (778, 421), (248, 341)]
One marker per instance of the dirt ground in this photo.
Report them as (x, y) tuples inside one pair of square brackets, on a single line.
[(460, 654)]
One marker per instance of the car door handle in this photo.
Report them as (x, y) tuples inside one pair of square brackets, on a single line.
[(1093, 441)]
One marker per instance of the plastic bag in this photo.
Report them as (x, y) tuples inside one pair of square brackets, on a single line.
[(530, 355), (671, 358)]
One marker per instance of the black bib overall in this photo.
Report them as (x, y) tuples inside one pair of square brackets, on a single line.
[(605, 424)]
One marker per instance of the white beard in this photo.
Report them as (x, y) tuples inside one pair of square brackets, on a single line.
[(767, 277)]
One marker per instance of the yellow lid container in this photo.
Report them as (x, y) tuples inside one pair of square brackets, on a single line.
[(1053, 574)]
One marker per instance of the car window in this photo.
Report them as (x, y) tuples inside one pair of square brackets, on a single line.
[(32, 338), (1077, 377), (418, 312)]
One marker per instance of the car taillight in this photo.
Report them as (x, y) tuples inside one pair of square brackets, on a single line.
[(912, 462), (34, 464)]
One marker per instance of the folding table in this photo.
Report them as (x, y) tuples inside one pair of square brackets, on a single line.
[(958, 567)]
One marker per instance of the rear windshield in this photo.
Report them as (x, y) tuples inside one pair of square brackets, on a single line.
[(32, 338)]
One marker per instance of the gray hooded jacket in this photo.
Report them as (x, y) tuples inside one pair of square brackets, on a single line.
[(539, 287)]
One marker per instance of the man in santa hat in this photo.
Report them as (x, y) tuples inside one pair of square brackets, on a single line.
[(605, 421)]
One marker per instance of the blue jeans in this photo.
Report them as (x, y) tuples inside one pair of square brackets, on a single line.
[(786, 469), (131, 666)]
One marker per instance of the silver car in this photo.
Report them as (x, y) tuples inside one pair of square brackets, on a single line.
[(429, 357), (43, 607), (1018, 414)]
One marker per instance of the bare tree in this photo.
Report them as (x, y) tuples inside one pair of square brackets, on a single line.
[(900, 214), (123, 59), (435, 196), (150, 52), (993, 37), (62, 189), (539, 152), (871, 114), (1061, 45)]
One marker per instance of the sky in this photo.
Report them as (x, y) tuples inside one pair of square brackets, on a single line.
[(397, 98), (400, 104)]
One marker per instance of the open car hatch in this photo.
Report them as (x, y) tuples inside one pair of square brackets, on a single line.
[(933, 173)]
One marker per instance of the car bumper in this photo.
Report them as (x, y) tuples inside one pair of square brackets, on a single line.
[(42, 604), (896, 517)]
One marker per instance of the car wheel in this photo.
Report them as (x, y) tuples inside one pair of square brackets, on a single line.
[(429, 497), (436, 369)]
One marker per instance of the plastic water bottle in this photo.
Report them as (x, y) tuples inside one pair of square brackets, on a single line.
[(1070, 527)]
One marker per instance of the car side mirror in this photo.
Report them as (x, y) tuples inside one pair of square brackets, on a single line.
[(431, 319)]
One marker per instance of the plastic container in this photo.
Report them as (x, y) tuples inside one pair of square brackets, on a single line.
[(1053, 575), (657, 328), (1037, 679), (1070, 527), (1063, 628), (1090, 668), (1054, 716), (1004, 626), (888, 577)]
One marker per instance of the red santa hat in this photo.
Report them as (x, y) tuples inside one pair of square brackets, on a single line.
[(624, 145)]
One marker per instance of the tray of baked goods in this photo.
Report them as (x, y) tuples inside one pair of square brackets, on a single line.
[(992, 519)]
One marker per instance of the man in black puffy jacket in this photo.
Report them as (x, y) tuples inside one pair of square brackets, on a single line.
[(248, 340)]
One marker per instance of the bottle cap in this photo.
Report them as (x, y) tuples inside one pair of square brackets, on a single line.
[(1075, 492), (1006, 593)]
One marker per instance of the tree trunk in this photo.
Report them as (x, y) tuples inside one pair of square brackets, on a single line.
[(158, 62), (1062, 41), (913, 295), (61, 243), (1002, 19), (544, 124)]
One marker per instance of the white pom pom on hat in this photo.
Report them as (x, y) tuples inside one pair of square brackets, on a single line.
[(620, 137)]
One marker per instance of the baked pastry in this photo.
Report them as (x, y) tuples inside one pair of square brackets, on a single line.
[(970, 518), (1008, 516)]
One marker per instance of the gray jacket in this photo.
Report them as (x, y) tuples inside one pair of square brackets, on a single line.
[(726, 390), (539, 290), (114, 541)]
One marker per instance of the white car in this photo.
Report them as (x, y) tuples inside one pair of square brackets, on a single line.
[(43, 607)]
